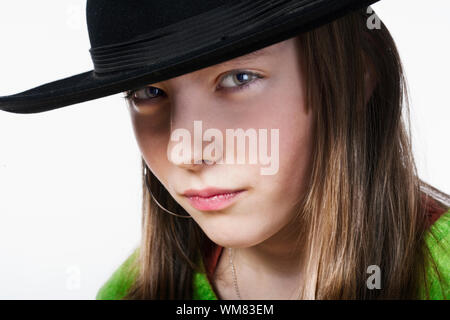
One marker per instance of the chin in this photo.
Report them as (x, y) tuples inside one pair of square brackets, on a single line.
[(237, 239)]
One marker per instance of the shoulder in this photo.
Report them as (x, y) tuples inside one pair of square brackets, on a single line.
[(121, 280), (437, 240)]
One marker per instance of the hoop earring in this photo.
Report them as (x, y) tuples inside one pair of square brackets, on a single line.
[(154, 199)]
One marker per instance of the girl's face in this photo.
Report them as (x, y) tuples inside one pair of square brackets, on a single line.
[(262, 90)]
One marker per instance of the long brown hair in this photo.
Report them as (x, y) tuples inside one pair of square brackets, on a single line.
[(364, 204)]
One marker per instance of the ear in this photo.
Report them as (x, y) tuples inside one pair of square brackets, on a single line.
[(370, 79)]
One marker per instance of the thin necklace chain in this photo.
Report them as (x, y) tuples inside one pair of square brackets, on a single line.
[(233, 272)]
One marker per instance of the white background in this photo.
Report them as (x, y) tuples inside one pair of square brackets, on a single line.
[(69, 178)]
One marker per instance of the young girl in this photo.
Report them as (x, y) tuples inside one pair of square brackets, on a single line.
[(345, 207), (325, 203)]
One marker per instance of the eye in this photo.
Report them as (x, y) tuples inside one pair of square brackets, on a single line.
[(144, 94), (239, 80)]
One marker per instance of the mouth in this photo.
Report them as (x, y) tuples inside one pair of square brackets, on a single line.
[(212, 199)]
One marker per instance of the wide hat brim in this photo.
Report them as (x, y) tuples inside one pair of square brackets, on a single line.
[(250, 37)]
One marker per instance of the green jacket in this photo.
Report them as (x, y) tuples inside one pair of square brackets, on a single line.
[(121, 280)]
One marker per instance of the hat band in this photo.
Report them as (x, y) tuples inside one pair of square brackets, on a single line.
[(216, 26)]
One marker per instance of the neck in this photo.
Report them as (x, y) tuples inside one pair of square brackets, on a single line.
[(280, 255), (269, 270)]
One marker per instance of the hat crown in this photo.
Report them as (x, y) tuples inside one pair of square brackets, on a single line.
[(111, 22)]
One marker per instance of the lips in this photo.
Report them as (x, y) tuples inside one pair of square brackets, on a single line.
[(212, 199)]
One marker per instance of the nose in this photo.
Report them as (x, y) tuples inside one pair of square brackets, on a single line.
[(192, 144)]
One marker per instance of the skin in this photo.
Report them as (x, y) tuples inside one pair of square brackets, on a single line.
[(259, 225)]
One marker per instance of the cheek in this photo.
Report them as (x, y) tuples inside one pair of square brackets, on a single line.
[(286, 111), (295, 158), (152, 142), (295, 147)]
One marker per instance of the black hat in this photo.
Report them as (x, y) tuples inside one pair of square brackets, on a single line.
[(138, 42)]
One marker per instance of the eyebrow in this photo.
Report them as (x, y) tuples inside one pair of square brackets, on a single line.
[(249, 56)]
